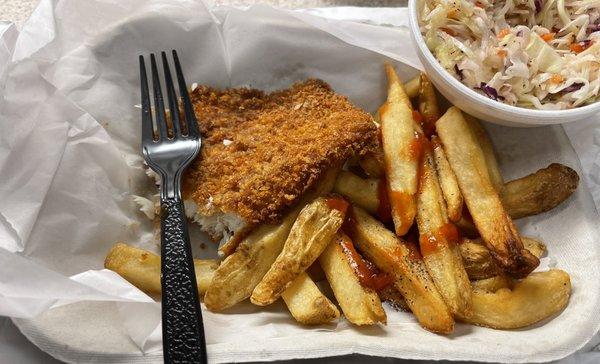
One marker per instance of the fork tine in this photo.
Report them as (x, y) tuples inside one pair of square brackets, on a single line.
[(190, 117), (147, 128), (172, 97), (159, 105)]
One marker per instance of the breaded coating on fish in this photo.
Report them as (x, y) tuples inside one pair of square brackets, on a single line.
[(261, 152)]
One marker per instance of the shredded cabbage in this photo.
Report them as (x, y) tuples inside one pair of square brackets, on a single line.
[(542, 54)]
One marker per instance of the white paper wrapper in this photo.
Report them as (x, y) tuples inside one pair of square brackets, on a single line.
[(69, 164)]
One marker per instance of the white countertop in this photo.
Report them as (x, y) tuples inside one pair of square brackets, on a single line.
[(19, 10)]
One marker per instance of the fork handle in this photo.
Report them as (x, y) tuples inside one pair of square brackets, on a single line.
[(182, 328)]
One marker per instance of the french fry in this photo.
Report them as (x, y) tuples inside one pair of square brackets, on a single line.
[(240, 272), (405, 264), (360, 305), (530, 195), (142, 268), (412, 87), (428, 105), (372, 164), (448, 181), (492, 284), (393, 297), (535, 246), (360, 191), (228, 247), (493, 223), (439, 241), (535, 298), (307, 304), (478, 260), (402, 144), (314, 228), (488, 152), (540, 191)]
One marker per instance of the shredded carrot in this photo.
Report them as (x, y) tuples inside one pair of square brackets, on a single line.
[(503, 33), (502, 53), (548, 37), (479, 5), (580, 47), (556, 78)]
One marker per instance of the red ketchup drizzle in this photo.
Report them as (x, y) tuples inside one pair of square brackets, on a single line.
[(368, 274), (337, 203), (446, 234)]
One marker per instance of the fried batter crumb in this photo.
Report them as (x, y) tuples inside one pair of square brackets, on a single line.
[(277, 146)]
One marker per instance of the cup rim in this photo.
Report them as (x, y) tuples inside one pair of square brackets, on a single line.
[(468, 92)]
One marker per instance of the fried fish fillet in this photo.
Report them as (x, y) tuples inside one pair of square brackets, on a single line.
[(262, 151)]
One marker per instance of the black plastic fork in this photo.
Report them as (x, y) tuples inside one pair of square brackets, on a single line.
[(168, 149)]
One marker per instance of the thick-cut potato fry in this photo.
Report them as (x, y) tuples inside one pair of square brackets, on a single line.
[(428, 105), (535, 246), (402, 144), (492, 284), (393, 297), (360, 191), (479, 263), (535, 298), (360, 305), (488, 152), (142, 268), (239, 273), (448, 181), (307, 304), (405, 264), (540, 191), (372, 164), (493, 223), (530, 195), (413, 86), (314, 228), (439, 241)]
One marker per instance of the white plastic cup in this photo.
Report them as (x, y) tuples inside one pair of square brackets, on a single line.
[(480, 106)]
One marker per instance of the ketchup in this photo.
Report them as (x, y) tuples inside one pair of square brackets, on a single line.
[(398, 202), (416, 146), (337, 203), (368, 274), (446, 234)]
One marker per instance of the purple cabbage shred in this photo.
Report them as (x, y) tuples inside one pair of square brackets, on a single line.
[(538, 5), (459, 72), (491, 92), (520, 33), (574, 87)]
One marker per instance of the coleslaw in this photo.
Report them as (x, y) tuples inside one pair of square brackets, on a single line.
[(542, 54)]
